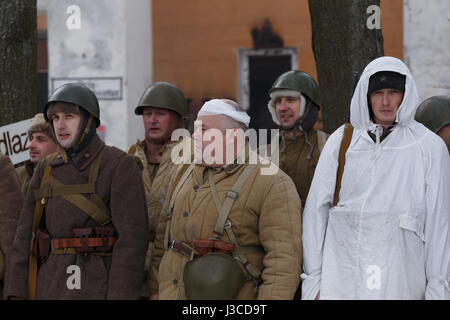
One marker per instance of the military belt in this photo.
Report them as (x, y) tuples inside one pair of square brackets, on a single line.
[(200, 247), (183, 247), (80, 242)]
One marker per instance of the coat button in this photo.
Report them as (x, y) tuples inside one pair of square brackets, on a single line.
[(196, 187), (175, 281), (185, 214)]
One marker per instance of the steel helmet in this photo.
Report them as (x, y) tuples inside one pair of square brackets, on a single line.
[(163, 95), (78, 94), (298, 81), (214, 276), (434, 112)]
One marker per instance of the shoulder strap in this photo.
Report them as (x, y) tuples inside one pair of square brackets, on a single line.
[(179, 181), (321, 139), (94, 207), (346, 139), (230, 198), (132, 149), (222, 222), (38, 210)]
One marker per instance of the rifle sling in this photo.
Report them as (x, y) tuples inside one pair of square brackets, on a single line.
[(345, 143)]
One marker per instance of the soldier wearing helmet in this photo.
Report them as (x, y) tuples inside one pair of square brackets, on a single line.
[(163, 108), (434, 113), (84, 214), (42, 142), (294, 105)]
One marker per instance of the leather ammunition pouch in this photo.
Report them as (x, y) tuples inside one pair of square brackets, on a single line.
[(204, 246), (86, 241), (42, 244), (200, 247)]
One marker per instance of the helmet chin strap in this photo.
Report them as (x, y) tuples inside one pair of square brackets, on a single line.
[(86, 130), (297, 125), (84, 138)]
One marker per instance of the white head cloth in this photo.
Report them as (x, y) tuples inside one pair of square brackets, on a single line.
[(219, 107)]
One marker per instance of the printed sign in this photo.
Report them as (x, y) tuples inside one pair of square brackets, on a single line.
[(104, 88), (14, 141)]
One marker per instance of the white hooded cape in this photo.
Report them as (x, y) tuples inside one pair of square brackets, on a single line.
[(388, 237)]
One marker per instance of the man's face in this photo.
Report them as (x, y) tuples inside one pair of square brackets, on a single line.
[(444, 133), (66, 126), (287, 110), (159, 124), (385, 103), (208, 135), (41, 146)]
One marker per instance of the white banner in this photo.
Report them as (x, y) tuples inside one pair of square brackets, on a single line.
[(14, 141)]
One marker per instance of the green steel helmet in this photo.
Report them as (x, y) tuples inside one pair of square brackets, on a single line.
[(78, 94), (163, 95), (298, 81), (214, 276), (434, 112)]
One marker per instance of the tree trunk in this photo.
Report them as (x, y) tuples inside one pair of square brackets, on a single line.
[(18, 74), (343, 44)]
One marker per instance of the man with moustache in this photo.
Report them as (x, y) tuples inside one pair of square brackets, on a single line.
[(163, 108), (41, 144), (84, 214)]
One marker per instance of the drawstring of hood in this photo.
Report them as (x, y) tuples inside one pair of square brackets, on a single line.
[(311, 148), (283, 143), (377, 130)]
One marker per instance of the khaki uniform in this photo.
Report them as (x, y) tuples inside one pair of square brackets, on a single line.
[(115, 276), (25, 172), (156, 178), (294, 154), (11, 201), (266, 213)]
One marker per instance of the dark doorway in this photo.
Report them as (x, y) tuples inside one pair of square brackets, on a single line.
[(263, 71)]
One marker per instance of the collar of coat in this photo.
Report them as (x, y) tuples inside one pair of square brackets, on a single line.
[(232, 167), (142, 155), (84, 158)]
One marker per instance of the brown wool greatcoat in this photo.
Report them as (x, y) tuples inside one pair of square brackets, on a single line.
[(120, 187), (11, 201)]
